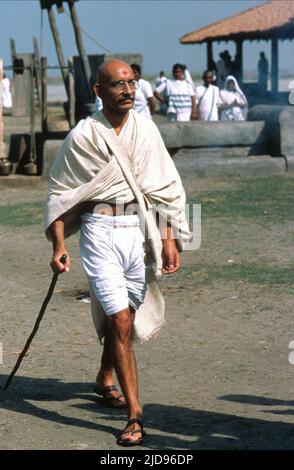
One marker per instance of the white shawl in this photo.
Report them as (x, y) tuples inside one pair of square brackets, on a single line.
[(228, 97), (86, 169)]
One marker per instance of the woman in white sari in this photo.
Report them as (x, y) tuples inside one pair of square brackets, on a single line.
[(233, 103)]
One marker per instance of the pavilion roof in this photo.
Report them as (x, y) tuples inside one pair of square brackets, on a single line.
[(271, 19)]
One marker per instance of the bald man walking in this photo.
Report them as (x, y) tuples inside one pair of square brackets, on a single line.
[(89, 189)]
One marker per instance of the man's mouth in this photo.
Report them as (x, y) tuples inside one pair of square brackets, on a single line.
[(126, 100)]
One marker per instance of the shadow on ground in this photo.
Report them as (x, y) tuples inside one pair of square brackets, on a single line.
[(168, 427)]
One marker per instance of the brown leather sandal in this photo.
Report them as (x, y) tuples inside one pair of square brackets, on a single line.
[(113, 402), (126, 442)]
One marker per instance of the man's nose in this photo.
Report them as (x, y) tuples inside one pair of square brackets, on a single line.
[(128, 87)]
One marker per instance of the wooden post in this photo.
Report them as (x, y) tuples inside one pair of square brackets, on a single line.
[(58, 47), (37, 68), (239, 61), (1, 114), (32, 112), (5, 165), (209, 55), (12, 49), (82, 52), (72, 96), (44, 111), (275, 66)]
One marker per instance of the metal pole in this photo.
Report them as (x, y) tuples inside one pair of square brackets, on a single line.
[(82, 52)]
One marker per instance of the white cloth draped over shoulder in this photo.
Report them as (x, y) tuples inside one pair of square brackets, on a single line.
[(228, 97), (93, 165), (207, 100)]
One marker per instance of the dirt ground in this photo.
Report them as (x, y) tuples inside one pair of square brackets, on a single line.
[(217, 377)]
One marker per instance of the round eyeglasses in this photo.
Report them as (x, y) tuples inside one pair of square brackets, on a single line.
[(123, 84)]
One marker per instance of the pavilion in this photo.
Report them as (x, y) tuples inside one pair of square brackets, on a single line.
[(271, 21)]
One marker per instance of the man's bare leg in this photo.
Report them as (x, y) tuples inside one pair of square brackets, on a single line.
[(105, 377), (123, 358)]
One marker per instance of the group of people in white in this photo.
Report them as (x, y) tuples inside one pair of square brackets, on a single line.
[(207, 102), (181, 100)]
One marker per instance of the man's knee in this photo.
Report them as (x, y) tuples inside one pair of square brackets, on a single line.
[(120, 325)]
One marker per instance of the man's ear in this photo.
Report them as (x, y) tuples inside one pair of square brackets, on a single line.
[(97, 89)]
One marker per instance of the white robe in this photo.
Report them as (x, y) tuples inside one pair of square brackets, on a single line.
[(207, 100), (85, 169), (228, 97)]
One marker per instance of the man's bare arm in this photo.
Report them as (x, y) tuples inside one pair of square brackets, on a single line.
[(151, 104), (159, 97), (59, 248), (170, 254), (194, 111)]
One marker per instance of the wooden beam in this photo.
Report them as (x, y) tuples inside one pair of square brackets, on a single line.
[(37, 68), (12, 49), (275, 66), (44, 110), (239, 61), (72, 96), (58, 47), (82, 52), (209, 55), (32, 112)]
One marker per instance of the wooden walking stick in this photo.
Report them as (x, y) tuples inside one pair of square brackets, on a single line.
[(36, 326)]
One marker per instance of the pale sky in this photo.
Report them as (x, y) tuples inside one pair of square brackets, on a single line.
[(152, 28)]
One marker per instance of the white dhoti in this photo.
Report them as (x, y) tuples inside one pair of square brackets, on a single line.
[(112, 252)]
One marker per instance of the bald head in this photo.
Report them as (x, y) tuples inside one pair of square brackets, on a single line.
[(111, 68), (115, 87)]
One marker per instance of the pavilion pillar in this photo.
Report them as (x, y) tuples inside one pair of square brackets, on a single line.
[(275, 66), (239, 61), (209, 55)]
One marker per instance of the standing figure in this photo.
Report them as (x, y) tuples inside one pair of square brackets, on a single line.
[(179, 96), (144, 101), (233, 102), (158, 81), (6, 92), (110, 168), (207, 98), (262, 73)]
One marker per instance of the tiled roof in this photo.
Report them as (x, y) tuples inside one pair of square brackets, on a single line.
[(269, 18)]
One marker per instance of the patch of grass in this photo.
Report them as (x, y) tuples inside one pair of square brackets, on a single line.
[(20, 215), (266, 199), (268, 275)]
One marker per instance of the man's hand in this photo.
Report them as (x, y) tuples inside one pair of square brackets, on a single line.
[(57, 264), (170, 257)]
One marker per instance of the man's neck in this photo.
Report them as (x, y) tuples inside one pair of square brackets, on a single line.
[(117, 120)]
